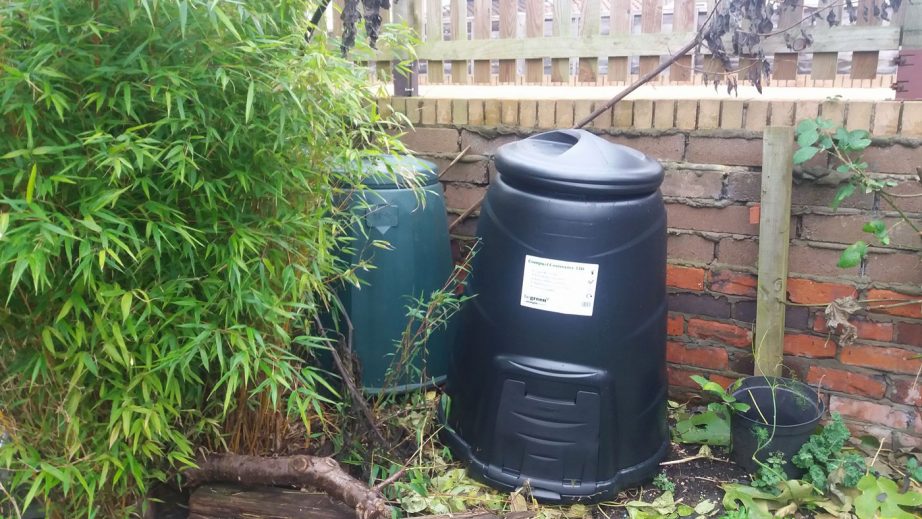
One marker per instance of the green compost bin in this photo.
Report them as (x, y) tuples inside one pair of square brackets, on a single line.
[(416, 263)]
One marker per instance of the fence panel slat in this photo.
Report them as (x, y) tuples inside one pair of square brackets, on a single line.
[(864, 64), (684, 19), (651, 21), (383, 68), (824, 65), (563, 21), (786, 62), (481, 31), (508, 19), (459, 33), (620, 17), (534, 28), (590, 24), (436, 69)]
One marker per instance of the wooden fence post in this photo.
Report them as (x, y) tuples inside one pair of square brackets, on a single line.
[(407, 84), (909, 73), (774, 234)]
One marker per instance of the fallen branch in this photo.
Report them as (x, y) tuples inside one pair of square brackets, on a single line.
[(296, 471), (467, 212), (699, 36), (455, 161)]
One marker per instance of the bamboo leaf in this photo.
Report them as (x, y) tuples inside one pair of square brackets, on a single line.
[(30, 187), (126, 306), (249, 109)]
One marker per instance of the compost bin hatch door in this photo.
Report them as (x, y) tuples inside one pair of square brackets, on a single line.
[(580, 162)]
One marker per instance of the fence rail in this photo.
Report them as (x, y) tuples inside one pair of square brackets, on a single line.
[(612, 42)]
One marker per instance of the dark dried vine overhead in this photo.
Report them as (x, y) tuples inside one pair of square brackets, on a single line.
[(739, 28), (371, 12)]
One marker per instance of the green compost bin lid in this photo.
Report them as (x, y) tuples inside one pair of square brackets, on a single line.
[(399, 172)]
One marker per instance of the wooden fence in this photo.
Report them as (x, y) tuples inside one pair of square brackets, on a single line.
[(612, 42)]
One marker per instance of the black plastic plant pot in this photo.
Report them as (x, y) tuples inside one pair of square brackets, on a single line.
[(782, 415)]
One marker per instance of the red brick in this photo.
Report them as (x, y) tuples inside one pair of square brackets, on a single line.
[(906, 441), (731, 219), (432, 140), (809, 346), (693, 184), (909, 334), (675, 325), (814, 292), (733, 283), (689, 247), (702, 356), (689, 278), (700, 304), (893, 360), (906, 390), (895, 267), (462, 196), (846, 382), (804, 259), (876, 413), (889, 298), (738, 252), (909, 205), (868, 330), (481, 145), (848, 228), (721, 332), (730, 152), (744, 186), (660, 147), (722, 380), (681, 377), (898, 159), (472, 172)]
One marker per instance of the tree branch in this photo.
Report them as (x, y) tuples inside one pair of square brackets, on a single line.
[(296, 471)]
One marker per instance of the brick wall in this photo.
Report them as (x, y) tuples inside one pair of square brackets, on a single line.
[(712, 152)]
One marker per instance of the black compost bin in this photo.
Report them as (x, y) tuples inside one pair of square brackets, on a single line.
[(558, 374)]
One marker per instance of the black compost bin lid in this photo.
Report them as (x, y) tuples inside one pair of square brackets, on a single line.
[(577, 161), (399, 171)]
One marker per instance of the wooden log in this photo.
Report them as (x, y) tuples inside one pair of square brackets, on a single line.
[(774, 235), (230, 502), (300, 471)]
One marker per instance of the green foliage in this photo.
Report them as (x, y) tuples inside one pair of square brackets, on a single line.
[(770, 474), (845, 148), (793, 495), (449, 492), (169, 182), (662, 482), (823, 454), (853, 255), (914, 469), (881, 497), (711, 427)]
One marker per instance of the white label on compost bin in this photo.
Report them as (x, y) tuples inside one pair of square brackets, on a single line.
[(565, 287)]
